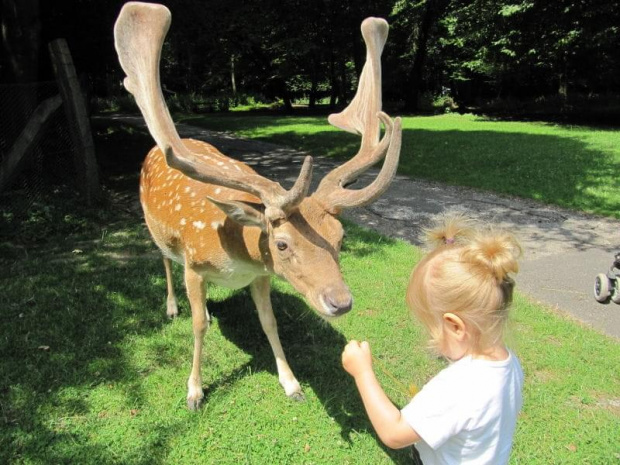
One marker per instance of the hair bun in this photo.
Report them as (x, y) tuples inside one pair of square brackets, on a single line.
[(447, 229), (495, 251)]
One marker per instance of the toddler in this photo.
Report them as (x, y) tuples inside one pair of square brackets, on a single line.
[(460, 292)]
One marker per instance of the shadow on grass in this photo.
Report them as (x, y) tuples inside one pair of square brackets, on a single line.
[(313, 349), (68, 317), (64, 320)]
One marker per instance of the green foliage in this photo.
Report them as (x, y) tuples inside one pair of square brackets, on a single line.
[(199, 103), (288, 50), (436, 104), (531, 48), (120, 104)]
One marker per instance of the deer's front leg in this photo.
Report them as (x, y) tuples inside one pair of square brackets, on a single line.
[(260, 288), (171, 302), (196, 293)]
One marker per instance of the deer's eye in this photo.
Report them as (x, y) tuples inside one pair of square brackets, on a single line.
[(281, 245)]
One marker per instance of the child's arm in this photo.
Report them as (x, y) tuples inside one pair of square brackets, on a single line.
[(387, 420)]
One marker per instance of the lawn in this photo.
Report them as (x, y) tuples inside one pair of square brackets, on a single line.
[(571, 166), (93, 372)]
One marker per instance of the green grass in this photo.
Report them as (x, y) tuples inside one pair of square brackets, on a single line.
[(93, 372), (570, 166)]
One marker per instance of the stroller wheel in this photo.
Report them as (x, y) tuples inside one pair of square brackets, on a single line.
[(615, 291), (602, 288)]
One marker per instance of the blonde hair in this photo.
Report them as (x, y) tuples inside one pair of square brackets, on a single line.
[(467, 272)]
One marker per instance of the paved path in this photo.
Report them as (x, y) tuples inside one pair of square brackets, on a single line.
[(563, 250)]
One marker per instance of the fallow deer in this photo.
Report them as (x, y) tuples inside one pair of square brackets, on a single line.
[(230, 226)]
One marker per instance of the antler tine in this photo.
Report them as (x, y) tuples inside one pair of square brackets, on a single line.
[(270, 193), (139, 34), (301, 187), (360, 117), (341, 198)]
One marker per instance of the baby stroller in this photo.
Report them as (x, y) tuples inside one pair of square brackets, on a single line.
[(606, 285)]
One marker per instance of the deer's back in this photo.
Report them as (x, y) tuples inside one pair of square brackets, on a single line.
[(181, 219)]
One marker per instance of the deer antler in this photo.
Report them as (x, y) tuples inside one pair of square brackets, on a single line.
[(139, 34), (363, 116)]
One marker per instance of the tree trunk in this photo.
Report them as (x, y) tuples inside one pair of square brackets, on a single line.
[(433, 10), (333, 81), (232, 76), (342, 95), (563, 79), (313, 86), (21, 27)]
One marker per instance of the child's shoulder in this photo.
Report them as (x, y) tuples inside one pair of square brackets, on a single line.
[(470, 373)]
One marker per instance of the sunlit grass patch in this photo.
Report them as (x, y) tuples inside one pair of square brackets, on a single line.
[(570, 166)]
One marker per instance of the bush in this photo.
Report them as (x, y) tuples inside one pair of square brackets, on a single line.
[(119, 104), (597, 108), (199, 103), (436, 104)]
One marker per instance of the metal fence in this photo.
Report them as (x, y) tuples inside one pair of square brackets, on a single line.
[(48, 164)]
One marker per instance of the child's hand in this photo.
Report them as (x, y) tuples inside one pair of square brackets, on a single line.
[(356, 358)]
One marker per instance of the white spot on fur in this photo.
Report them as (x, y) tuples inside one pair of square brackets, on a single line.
[(183, 221), (199, 224), (177, 207), (216, 224), (218, 190)]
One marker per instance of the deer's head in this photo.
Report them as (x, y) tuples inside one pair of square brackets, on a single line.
[(301, 235)]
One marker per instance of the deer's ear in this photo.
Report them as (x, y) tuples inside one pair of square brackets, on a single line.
[(246, 214)]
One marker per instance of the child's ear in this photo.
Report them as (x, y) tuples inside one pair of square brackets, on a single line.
[(455, 325)]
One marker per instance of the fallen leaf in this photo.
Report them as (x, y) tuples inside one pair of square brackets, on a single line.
[(307, 448), (45, 348), (572, 447)]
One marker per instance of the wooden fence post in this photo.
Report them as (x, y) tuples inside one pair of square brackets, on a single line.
[(75, 108)]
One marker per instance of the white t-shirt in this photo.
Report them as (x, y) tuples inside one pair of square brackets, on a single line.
[(468, 412)]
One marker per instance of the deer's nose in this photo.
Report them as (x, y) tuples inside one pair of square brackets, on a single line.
[(338, 302)]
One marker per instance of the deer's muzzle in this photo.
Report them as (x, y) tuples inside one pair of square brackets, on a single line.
[(336, 302)]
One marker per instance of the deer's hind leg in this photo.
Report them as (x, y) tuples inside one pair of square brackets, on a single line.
[(260, 288), (196, 294)]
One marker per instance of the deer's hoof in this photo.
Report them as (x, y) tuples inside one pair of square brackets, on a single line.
[(194, 404), (297, 396), (172, 309), (195, 396)]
